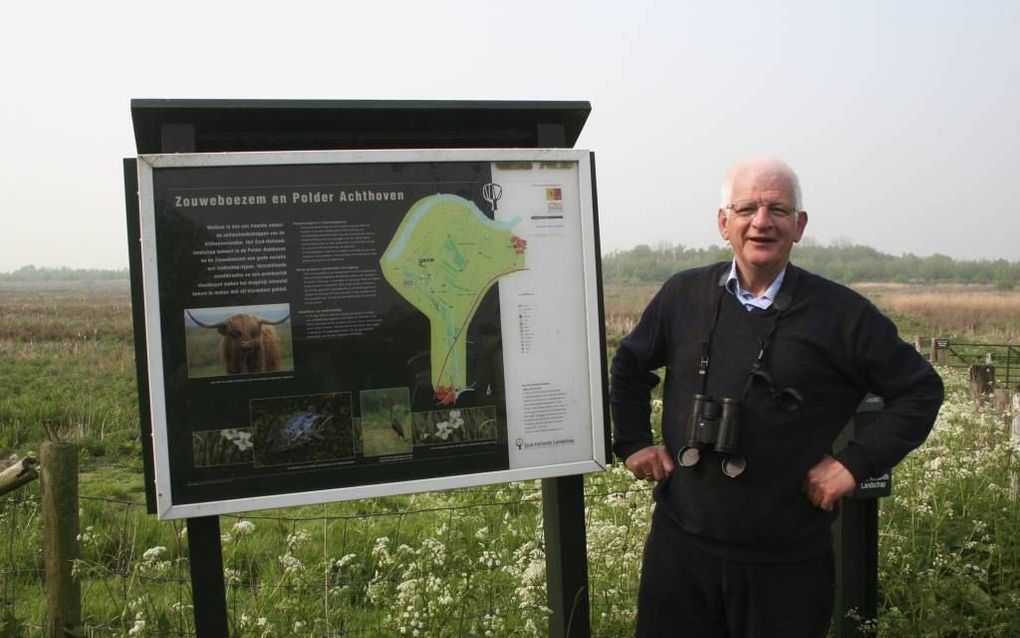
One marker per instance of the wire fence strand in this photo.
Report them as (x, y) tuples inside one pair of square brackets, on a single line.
[(470, 560)]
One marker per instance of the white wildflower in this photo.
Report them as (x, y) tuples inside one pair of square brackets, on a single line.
[(298, 537), (153, 553), (490, 559), (291, 564), (345, 560)]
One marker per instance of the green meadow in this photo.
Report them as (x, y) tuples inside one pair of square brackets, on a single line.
[(466, 562)]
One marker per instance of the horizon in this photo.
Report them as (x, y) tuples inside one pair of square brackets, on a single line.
[(834, 244)]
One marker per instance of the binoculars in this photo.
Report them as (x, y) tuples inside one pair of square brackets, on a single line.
[(713, 426)]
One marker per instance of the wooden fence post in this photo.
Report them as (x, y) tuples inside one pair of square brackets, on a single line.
[(982, 382), (59, 461), (939, 350), (1015, 439), (1016, 418), (18, 474), (1002, 401)]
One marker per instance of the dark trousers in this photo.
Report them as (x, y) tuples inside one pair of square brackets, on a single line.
[(688, 593)]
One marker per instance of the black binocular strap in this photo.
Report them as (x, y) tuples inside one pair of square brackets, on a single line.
[(706, 346), (764, 342), (781, 303)]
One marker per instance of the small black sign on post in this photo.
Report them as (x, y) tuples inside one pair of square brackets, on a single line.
[(855, 535)]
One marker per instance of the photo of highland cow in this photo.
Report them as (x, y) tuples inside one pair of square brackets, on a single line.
[(302, 429), (238, 340), (455, 426), (385, 421), (213, 448)]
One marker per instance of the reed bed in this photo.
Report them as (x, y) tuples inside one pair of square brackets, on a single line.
[(944, 310), (948, 309)]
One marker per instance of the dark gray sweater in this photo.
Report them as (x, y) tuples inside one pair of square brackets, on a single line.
[(830, 343)]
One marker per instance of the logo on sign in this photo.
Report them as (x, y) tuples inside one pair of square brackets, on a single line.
[(554, 198)]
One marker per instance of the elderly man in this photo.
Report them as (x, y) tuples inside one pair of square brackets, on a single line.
[(765, 364)]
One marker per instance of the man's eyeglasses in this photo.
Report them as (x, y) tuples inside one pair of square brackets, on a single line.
[(750, 209)]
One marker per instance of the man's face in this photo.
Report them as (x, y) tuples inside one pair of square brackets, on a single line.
[(762, 240)]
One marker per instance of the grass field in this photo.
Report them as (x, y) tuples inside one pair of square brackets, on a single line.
[(457, 563)]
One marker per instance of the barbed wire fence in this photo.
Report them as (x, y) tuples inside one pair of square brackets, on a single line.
[(460, 563)]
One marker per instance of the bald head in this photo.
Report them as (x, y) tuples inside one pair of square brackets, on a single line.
[(772, 167)]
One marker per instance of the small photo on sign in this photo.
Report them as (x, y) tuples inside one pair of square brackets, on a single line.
[(238, 340), (214, 448), (462, 425), (385, 422), (302, 429)]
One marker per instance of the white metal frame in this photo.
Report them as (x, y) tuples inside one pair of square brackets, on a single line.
[(148, 164)]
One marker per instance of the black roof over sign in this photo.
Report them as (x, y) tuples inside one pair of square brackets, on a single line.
[(280, 125)]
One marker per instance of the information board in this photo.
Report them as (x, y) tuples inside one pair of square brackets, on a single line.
[(331, 325)]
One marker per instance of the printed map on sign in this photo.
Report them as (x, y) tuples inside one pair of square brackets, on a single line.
[(443, 258)]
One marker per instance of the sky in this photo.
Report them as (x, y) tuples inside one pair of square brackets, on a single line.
[(902, 118)]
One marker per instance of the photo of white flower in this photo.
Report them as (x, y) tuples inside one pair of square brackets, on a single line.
[(230, 446), (454, 426)]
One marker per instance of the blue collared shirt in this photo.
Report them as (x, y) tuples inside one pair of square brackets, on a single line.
[(749, 300)]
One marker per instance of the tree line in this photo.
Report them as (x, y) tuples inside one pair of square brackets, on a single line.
[(840, 261), (29, 274)]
